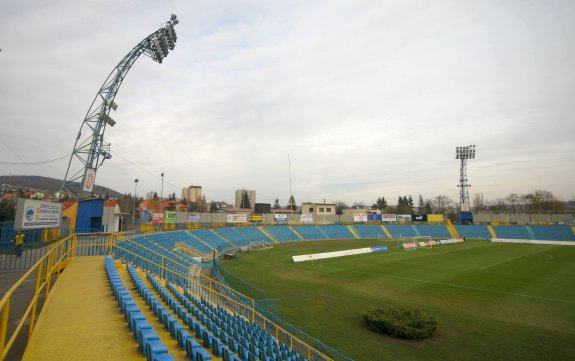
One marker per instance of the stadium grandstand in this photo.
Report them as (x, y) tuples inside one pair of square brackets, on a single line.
[(154, 293)]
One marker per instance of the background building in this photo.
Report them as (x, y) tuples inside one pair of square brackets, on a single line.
[(240, 195), (324, 209), (192, 193)]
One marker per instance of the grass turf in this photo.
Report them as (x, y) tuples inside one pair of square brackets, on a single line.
[(492, 301)]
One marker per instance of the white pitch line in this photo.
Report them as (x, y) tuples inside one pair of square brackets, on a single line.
[(456, 286), (511, 259)]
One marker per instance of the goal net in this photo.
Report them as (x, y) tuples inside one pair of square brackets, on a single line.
[(260, 246), (424, 242)]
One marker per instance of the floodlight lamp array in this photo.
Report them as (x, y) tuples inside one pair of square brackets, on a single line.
[(162, 41), (465, 152)]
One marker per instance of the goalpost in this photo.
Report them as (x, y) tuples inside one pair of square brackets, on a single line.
[(413, 243), (424, 242), (260, 246)]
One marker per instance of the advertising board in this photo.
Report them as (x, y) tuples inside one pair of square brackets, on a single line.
[(389, 218), (237, 218), (193, 218), (34, 214), (360, 217), (157, 217), (280, 218), (170, 217)]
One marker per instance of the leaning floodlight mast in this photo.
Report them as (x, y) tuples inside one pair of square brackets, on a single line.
[(464, 153), (91, 151)]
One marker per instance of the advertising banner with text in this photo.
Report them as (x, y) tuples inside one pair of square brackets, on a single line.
[(31, 214), (170, 217), (157, 217), (306, 218), (389, 218), (360, 217), (193, 218), (374, 217), (404, 217), (237, 218), (145, 216), (281, 218)]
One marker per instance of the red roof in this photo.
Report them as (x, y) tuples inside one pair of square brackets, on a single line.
[(110, 203)]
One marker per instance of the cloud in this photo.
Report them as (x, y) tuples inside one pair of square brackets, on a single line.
[(368, 98)]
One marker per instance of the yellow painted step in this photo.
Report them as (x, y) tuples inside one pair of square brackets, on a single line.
[(352, 231), (451, 228), (491, 231), (386, 231), (223, 238), (268, 234)]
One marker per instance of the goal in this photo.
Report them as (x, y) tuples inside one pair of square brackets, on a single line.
[(260, 246), (413, 243)]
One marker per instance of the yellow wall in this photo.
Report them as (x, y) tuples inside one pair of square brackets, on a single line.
[(71, 213), (435, 218)]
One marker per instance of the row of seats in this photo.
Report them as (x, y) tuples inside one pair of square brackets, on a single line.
[(230, 337), (155, 262), (188, 343), (148, 341)]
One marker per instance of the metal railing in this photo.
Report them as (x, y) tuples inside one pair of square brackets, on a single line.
[(58, 255), (46, 270)]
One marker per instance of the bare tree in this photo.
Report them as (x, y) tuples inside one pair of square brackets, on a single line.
[(478, 202), (339, 207), (498, 205), (441, 204), (512, 201)]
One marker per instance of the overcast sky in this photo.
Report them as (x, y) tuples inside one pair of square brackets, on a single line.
[(368, 98)]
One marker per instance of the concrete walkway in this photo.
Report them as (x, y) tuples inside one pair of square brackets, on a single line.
[(81, 319)]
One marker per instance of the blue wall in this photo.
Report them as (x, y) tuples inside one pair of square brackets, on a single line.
[(90, 213)]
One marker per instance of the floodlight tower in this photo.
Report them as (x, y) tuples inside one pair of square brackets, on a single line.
[(464, 153), (90, 150)]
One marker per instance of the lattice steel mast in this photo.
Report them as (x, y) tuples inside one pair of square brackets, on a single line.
[(90, 152), (464, 153)]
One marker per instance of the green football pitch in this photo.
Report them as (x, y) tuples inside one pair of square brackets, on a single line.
[(492, 301)]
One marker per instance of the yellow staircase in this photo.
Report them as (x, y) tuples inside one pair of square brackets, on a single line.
[(296, 232), (386, 231), (352, 231), (451, 228), (200, 240), (491, 231), (224, 238), (261, 228), (187, 249)]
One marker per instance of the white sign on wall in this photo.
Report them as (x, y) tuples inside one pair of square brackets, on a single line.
[(389, 218), (193, 218), (306, 218), (237, 218), (33, 214), (281, 217), (360, 217)]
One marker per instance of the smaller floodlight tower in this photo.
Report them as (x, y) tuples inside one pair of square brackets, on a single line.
[(464, 153)]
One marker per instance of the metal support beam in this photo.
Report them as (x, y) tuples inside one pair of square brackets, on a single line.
[(90, 149)]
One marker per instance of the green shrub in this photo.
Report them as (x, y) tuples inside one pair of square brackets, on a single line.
[(409, 323)]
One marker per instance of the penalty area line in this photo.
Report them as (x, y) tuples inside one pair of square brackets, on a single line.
[(454, 285), (511, 259)]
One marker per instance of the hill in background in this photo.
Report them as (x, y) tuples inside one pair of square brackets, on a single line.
[(47, 185)]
